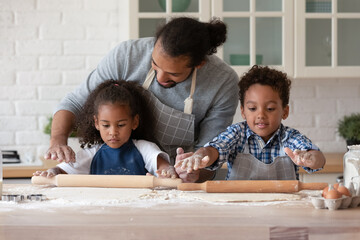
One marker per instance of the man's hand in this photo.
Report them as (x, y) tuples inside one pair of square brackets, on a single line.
[(62, 125), (60, 153)]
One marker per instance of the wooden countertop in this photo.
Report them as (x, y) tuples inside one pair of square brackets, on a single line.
[(193, 220), (334, 164), (20, 171)]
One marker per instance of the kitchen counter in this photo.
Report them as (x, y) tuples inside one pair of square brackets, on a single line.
[(334, 164), (168, 218)]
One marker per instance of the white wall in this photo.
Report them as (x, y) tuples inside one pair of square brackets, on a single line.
[(48, 47)]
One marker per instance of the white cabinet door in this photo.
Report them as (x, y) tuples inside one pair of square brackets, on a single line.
[(147, 15), (259, 32), (327, 38)]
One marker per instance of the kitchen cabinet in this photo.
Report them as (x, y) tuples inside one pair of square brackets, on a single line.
[(304, 38), (327, 38), (259, 32), (146, 15)]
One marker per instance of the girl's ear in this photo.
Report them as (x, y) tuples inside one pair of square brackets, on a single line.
[(136, 122), (286, 112), (96, 123)]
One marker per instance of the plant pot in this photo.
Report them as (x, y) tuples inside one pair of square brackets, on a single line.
[(350, 142)]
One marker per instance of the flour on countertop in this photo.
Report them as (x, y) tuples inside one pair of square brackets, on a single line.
[(63, 197)]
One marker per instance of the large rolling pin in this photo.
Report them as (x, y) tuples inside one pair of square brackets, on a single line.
[(252, 186), (106, 181)]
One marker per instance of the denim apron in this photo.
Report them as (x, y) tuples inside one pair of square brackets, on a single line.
[(247, 167), (173, 128), (125, 160)]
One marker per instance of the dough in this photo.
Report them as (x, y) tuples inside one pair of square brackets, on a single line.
[(242, 197), (85, 196)]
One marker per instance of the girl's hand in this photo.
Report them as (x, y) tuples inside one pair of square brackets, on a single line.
[(167, 172), (301, 158), (48, 173)]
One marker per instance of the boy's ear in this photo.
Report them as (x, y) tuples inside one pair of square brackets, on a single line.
[(286, 112), (96, 123), (242, 112), (136, 122)]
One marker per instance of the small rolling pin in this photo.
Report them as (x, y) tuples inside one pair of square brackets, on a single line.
[(252, 186), (106, 181)]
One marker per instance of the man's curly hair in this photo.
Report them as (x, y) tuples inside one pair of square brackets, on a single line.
[(115, 91), (264, 75)]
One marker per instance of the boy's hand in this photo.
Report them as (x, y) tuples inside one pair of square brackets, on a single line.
[(301, 158), (191, 162), (168, 172)]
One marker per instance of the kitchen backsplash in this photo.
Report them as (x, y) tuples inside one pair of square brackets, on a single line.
[(48, 47)]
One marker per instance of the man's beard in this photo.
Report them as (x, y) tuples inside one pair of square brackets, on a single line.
[(168, 86), (173, 82)]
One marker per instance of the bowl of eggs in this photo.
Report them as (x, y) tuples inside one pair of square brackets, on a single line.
[(337, 196)]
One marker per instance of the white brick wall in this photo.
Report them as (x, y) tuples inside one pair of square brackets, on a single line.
[(48, 47)]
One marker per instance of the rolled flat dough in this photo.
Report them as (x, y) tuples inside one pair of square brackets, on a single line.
[(98, 195), (242, 197), (117, 196)]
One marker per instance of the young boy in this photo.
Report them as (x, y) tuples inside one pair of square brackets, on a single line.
[(261, 147)]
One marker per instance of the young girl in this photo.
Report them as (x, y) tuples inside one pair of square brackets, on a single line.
[(110, 126)]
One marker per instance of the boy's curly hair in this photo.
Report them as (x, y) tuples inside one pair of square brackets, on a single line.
[(264, 75), (115, 91)]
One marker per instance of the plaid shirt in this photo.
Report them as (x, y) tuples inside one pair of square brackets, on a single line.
[(232, 141)]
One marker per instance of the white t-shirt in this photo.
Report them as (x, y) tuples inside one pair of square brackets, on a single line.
[(148, 150)]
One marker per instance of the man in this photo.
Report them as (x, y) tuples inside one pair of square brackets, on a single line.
[(194, 95)]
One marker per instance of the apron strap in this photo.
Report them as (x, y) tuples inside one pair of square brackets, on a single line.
[(149, 78), (188, 101)]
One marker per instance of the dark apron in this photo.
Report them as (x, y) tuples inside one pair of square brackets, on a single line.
[(125, 160), (173, 128), (247, 167)]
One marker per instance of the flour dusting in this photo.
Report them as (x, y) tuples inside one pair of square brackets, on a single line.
[(101, 198)]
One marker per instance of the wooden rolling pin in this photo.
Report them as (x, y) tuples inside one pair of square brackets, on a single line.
[(252, 186), (106, 181)]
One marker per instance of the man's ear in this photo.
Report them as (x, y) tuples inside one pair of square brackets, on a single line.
[(286, 112), (201, 64), (96, 123), (136, 122)]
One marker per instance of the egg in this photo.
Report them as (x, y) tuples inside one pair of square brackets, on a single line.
[(339, 187), (343, 190), (326, 189), (332, 193)]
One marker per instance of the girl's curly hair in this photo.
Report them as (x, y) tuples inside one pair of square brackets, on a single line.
[(264, 75), (115, 91)]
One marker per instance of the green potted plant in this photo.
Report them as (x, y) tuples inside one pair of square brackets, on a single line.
[(349, 128), (47, 128)]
